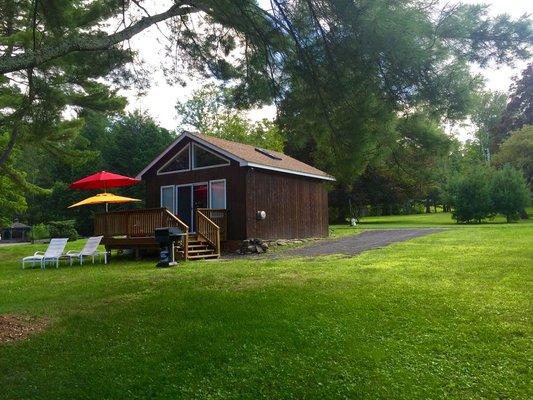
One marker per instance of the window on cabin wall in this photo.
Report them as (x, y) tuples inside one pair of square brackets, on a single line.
[(203, 158), (181, 162), (218, 193), (167, 198)]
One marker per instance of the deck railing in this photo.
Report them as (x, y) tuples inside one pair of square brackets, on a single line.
[(220, 217), (210, 231), (136, 223), (211, 224)]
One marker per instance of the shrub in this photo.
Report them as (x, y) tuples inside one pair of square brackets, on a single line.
[(470, 195), (63, 229), (39, 231), (509, 192), (418, 208)]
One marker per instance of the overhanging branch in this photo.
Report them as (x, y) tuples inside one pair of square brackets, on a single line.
[(32, 59)]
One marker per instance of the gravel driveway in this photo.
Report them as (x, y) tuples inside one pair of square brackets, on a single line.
[(351, 245)]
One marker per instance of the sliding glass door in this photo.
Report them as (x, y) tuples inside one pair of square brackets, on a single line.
[(183, 200), (184, 204), (200, 196), (189, 198)]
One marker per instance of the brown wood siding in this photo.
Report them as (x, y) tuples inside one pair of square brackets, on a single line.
[(235, 187), (296, 207)]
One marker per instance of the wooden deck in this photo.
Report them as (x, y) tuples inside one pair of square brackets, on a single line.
[(134, 229)]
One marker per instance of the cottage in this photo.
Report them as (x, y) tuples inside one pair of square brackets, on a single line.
[(241, 190)]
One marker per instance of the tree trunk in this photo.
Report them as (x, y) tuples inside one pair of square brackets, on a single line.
[(341, 218), (342, 204), (428, 206)]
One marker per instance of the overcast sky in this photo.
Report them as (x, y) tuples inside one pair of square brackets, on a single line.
[(160, 99)]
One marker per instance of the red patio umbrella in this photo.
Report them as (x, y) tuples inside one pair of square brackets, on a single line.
[(103, 180)]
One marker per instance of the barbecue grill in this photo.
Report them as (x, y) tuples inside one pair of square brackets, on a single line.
[(166, 237)]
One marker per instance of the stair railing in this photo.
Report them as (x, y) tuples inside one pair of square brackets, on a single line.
[(207, 229), (220, 217), (172, 219)]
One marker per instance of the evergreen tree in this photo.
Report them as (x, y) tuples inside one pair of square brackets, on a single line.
[(410, 170), (124, 144), (509, 192), (361, 64), (470, 195)]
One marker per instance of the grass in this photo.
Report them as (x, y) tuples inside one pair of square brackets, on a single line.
[(433, 220), (443, 316)]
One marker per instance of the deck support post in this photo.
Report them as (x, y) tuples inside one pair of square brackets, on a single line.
[(186, 246)]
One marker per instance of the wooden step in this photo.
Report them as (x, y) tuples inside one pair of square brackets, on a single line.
[(200, 256), (196, 246), (201, 251), (197, 249), (199, 244)]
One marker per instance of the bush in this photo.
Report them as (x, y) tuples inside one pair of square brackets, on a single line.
[(483, 193), (509, 193), (418, 208), (470, 195), (39, 231), (63, 229)]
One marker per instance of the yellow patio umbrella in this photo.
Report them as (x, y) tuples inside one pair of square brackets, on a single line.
[(102, 198)]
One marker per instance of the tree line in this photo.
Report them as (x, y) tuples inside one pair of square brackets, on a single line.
[(361, 89)]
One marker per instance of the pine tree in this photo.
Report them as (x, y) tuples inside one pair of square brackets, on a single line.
[(471, 196), (509, 192)]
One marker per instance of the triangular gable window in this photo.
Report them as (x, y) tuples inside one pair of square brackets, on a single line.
[(179, 163), (203, 158)]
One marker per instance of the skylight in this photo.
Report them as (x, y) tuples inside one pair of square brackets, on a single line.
[(267, 153)]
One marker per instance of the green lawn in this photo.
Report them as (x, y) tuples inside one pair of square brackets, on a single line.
[(432, 220), (442, 316)]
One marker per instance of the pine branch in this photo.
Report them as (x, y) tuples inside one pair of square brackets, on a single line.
[(13, 135), (32, 59)]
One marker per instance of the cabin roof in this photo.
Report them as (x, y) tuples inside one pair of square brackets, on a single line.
[(248, 155)]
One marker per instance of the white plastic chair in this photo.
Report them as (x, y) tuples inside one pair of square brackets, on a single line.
[(53, 253), (89, 250)]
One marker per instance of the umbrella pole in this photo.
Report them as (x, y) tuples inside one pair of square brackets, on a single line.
[(106, 207)]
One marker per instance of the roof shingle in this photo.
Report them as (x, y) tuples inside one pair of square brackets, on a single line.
[(251, 155)]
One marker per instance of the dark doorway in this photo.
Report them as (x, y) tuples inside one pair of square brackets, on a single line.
[(189, 198)]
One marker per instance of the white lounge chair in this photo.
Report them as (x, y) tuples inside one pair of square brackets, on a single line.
[(89, 250), (53, 253)]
